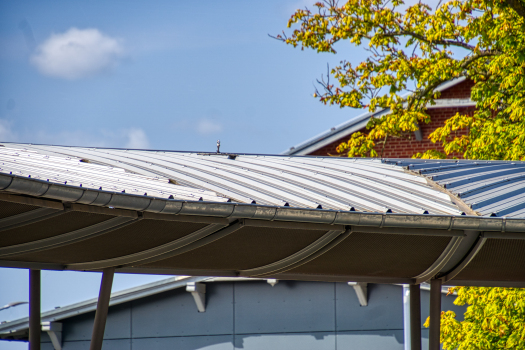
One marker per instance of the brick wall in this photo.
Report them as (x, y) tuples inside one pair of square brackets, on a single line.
[(401, 148)]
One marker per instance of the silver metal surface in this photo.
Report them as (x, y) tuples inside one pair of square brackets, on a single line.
[(309, 189), (489, 188), (338, 184)]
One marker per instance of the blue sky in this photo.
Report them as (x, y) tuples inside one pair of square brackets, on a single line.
[(157, 74), (169, 75)]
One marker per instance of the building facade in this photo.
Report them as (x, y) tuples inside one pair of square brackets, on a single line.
[(251, 315), (454, 98)]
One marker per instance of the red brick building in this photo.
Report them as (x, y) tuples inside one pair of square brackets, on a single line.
[(455, 97)]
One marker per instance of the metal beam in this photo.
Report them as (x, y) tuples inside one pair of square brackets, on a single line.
[(342, 278), (504, 235), (473, 252), (69, 237), (318, 253), (409, 231), (415, 317), (34, 310), (153, 253), (29, 217), (200, 238), (292, 225), (102, 309), (294, 258), (440, 261), (470, 239), (435, 315)]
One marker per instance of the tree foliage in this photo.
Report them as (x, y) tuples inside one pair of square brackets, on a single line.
[(495, 319), (414, 49)]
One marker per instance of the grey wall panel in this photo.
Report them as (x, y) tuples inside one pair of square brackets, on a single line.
[(46, 346), (283, 341), (424, 339), (376, 340), (118, 325), (174, 313), (447, 304), (287, 307), (215, 342), (384, 310), (109, 344)]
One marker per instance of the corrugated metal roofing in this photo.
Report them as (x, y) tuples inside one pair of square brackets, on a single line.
[(303, 182), (410, 186), (490, 188)]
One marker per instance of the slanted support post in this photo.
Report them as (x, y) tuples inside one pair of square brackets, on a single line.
[(101, 314), (34, 309), (435, 314), (198, 291), (415, 317)]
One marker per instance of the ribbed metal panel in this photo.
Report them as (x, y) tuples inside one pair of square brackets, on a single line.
[(303, 182), (490, 188)]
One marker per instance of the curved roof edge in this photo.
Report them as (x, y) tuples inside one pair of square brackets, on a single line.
[(131, 203)]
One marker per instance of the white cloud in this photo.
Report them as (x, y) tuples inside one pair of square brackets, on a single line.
[(77, 53), (136, 138), (208, 126)]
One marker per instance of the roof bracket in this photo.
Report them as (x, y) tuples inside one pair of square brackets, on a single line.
[(272, 281), (54, 330), (198, 291), (361, 290)]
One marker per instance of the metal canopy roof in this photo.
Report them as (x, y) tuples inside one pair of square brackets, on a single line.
[(310, 218)]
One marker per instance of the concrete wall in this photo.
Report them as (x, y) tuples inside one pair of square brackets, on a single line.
[(253, 316)]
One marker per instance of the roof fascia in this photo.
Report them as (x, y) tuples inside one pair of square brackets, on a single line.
[(130, 205)]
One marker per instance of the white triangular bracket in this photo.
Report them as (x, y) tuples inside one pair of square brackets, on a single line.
[(54, 330), (198, 291), (361, 290)]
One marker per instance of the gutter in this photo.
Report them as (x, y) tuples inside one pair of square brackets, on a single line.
[(122, 204)]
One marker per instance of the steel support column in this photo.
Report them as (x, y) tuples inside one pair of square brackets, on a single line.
[(102, 309), (34, 310), (435, 314), (415, 317)]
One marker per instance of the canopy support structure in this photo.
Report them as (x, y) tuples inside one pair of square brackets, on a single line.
[(101, 314), (435, 314), (415, 317), (34, 310)]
